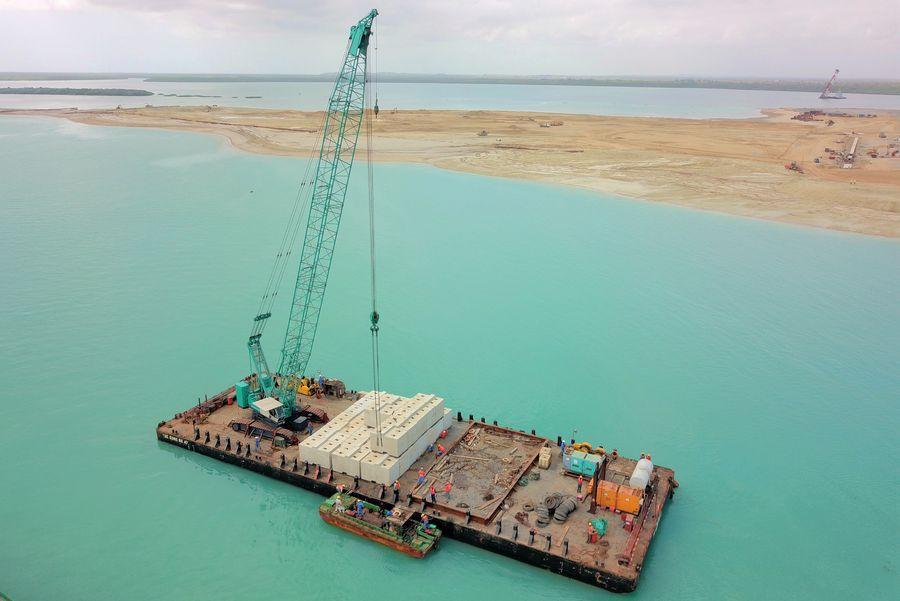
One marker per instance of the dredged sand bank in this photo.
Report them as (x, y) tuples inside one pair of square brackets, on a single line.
[(733, 166)]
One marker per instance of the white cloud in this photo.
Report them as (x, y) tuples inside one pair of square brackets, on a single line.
[(579, 37)]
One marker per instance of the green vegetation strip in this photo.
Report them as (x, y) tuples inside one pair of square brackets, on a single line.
[(856, 86), (77, 91)]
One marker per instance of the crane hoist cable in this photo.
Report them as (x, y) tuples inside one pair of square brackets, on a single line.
[(373, 316)]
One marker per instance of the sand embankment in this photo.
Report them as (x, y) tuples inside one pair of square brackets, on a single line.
[(724, 165)]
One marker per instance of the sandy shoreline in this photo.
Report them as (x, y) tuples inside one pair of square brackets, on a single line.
[(723, 165)]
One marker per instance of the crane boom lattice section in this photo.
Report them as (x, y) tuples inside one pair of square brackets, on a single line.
[(340, 136)]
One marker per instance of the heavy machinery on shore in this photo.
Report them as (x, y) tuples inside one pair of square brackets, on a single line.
[(319, 204)]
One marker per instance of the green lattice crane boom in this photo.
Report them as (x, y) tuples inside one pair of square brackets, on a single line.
[(344, 115)]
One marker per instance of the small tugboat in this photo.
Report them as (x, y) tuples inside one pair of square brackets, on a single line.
[(392, 527)]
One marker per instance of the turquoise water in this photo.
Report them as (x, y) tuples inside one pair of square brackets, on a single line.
[(654, 102), (759, 361)]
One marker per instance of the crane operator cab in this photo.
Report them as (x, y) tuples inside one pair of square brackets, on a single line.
[(270, 409)]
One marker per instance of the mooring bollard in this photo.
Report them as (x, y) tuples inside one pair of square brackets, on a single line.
[(531, 536), (227, 443), (355, 482), (248, 450), (282, 460), (549, 542), (515, 531), (218, 441), (459, 416), (559, 441), (468, 515), (471, 418), (565, 547), (238, 452), (482, 420), (196, 433), (381, 492), (532, 432), (207, 437), (294, 469), (495, 422), (305, 467), (499, 526)]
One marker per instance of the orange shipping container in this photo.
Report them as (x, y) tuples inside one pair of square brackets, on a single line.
[(628, 500), (606, 497)]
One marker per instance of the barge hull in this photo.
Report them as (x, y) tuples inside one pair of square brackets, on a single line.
[(616, 568)]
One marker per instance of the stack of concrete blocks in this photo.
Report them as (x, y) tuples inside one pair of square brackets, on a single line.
[(350, 444)]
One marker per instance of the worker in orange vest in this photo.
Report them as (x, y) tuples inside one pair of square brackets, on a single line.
[(431, 493), (440, 450), (447, 488), (421, 477), (592, 534), (580, 483)]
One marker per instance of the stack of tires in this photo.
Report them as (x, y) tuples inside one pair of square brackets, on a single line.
[(556, 506)]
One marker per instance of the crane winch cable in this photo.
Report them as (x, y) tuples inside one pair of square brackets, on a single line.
[(286, 247)]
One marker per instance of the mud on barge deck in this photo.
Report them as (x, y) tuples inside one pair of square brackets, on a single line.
[(496, 485)]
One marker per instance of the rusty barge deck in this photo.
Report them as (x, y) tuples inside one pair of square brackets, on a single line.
[(496, 483)]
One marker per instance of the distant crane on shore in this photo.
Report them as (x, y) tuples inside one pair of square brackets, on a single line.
[(828, 92)]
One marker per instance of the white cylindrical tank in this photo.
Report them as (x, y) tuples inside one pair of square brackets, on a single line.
[(640, 477)]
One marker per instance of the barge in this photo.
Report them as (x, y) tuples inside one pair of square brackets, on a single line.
[(501, 479)]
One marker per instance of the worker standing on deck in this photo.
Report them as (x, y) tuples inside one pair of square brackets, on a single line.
[(447, 488), (359, 509), (425, 523), (580, 483), (440, 450), (257, 442), (431, 493), (421, 477)]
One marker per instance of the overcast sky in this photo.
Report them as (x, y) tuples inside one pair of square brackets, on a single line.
[(788, 38)]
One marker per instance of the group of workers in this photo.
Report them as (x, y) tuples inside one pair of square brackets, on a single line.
[(432, 491)]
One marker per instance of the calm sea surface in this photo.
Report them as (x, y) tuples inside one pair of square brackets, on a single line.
[(759, 361), (656, 102)]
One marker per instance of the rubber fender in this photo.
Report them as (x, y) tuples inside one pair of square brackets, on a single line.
[(566, 507)]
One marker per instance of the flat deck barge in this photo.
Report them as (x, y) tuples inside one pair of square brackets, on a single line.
[(496, 486)]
